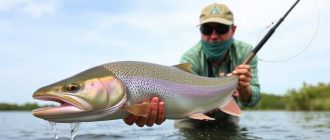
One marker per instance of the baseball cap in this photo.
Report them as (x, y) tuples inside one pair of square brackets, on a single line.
[(218, 13)]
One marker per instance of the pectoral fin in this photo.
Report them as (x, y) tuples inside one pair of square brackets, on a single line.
[(201, 116), (139, 109), (231, 107)]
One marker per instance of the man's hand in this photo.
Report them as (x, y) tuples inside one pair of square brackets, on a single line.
[(244, 77), (157, 115)]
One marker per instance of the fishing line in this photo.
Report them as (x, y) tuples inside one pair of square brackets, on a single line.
[(308, 44)]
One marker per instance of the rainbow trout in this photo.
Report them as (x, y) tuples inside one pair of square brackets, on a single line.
[(112, 91)]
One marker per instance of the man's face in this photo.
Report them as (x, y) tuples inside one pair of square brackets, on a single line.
[(213, 32)]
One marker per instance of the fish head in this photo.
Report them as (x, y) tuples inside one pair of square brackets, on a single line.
[(81, 95)]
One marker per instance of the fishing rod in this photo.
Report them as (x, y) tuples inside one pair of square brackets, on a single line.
[(267, 36)]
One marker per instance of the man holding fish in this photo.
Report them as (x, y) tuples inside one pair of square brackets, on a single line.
[(218, 54), (191, 91)]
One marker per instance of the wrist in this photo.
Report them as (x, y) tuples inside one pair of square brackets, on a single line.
[(245, 93)]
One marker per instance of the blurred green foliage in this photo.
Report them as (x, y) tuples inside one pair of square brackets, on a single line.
[(307, 98), (269, 102)]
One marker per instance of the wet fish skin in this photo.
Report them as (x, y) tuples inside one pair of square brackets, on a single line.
[(113, 90)]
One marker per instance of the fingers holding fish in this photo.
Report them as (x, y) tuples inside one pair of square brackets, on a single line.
[(156, 115), (131, 119), (161, 113), (153, 113)]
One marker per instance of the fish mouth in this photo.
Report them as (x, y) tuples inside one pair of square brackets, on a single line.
[(68, 105)]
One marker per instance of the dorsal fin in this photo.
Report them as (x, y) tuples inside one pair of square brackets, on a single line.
[(184, 66)]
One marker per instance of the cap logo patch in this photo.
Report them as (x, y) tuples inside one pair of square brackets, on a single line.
[(215, 10)]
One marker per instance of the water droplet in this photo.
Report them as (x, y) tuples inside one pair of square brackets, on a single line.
[(74, 129), (53, 125)]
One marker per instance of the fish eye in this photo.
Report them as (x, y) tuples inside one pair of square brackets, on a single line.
[(72, 87)]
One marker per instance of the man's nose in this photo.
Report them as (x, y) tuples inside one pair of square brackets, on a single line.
[(214, 35)]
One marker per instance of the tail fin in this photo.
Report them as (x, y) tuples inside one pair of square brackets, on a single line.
[(231, 107)]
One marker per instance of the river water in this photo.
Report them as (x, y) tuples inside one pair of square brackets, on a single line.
[(267, 125)]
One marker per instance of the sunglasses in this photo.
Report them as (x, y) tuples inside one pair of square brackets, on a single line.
[(207, 29)]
